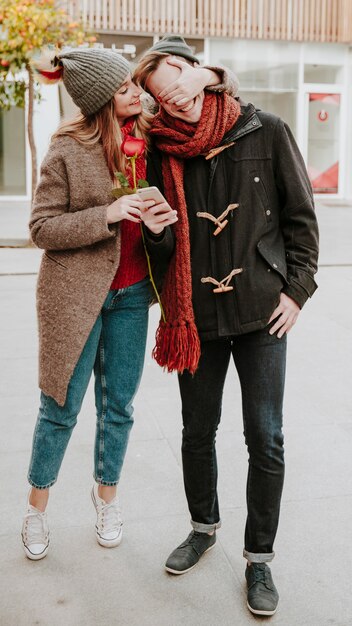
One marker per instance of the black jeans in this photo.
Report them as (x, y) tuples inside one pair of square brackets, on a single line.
[(260, 361)]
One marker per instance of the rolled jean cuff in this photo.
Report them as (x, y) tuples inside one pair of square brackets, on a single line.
[(105, 483), (33, 484), (258, 558), (205, 528)]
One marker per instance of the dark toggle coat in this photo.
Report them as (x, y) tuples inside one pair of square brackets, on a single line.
[(272, 235)]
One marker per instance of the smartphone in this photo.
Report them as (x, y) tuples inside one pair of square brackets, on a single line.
[(151, 193)]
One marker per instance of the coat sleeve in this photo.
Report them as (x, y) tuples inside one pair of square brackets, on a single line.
[(51, 225), (160, 247), (298, 221), (228, 81)]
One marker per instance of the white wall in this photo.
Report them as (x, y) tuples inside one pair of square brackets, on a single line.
[(46, 118)]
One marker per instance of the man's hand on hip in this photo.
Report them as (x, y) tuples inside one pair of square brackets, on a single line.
[(287, 312)]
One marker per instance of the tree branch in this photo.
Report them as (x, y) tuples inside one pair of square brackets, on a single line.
[(30, 128)]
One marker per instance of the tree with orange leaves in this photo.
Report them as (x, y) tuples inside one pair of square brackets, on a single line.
[(25, 28)]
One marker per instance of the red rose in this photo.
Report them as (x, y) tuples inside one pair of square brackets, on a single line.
[(132, 146), (4, 63)]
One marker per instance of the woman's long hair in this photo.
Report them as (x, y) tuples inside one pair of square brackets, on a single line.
[(103, 127)]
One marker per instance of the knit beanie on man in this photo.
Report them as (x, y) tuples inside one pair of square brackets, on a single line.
[(91, 75), (174, 44)]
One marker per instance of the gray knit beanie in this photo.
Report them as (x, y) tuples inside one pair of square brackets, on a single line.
[(92, 76), (174, 44)]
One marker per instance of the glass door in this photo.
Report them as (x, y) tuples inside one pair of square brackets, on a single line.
[(323, 154), (12, 153)]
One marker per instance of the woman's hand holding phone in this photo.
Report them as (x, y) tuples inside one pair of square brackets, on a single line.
[(157, 217), (148, 205), (128, 207), (160, 214)]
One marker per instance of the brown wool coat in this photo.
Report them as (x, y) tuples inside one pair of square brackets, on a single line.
[(81, 256), (81, 252)]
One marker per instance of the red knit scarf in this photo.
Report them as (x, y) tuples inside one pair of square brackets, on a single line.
[(177, 340)]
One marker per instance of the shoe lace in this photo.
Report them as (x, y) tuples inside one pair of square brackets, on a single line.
[(36, 527), (110, 516), (195, 540), (260, 574)]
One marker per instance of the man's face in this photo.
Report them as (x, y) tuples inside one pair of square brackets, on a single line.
[(161, 78)]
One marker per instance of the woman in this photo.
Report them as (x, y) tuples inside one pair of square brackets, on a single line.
[(93, 290)]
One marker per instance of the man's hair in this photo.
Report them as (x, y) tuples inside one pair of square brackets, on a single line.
[(148, 64)]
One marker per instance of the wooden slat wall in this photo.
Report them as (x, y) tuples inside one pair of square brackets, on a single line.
[(288, 20)]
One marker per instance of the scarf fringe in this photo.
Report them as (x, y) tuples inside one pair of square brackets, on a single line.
[(177, 348)]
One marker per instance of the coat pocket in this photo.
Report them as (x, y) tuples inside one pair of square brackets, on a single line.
[(257, 184), (58, 258), (273, 259)]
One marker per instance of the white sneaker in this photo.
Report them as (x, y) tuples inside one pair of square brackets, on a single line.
[(35, 533), (108, 528)]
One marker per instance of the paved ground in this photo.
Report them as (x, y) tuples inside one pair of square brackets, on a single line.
[(82, 584)]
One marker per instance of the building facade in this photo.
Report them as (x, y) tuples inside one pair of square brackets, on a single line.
[(292, 57)]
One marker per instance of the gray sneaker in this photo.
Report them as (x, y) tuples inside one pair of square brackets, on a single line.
[(262, 595), (187, 555)]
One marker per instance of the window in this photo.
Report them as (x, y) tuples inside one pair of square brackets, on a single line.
[(323, 73), (12, 153), (283, 104), (259, 64), (323, 141)]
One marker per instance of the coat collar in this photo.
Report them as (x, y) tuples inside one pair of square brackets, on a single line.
[(246, 123)]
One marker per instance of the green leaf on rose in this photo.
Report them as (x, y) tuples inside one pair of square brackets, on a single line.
[(122, 191), (142, 183), (122, 179)]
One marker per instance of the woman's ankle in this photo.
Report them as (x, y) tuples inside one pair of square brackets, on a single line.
[(39, 498), (107, 492)]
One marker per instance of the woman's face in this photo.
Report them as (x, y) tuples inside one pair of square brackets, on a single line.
[(127, 100)]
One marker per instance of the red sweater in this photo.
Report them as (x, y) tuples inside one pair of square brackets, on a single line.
[(133, 262)]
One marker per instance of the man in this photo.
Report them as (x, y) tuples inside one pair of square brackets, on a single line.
[(243, 267)]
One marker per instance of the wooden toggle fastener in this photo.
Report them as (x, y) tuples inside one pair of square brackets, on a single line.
[(214, 151), (220, 221), (223, 285)]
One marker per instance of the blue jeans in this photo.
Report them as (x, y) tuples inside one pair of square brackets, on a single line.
[(260, 361), (115, 349)]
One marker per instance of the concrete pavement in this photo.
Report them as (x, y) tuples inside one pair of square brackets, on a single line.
[(82, 584)]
